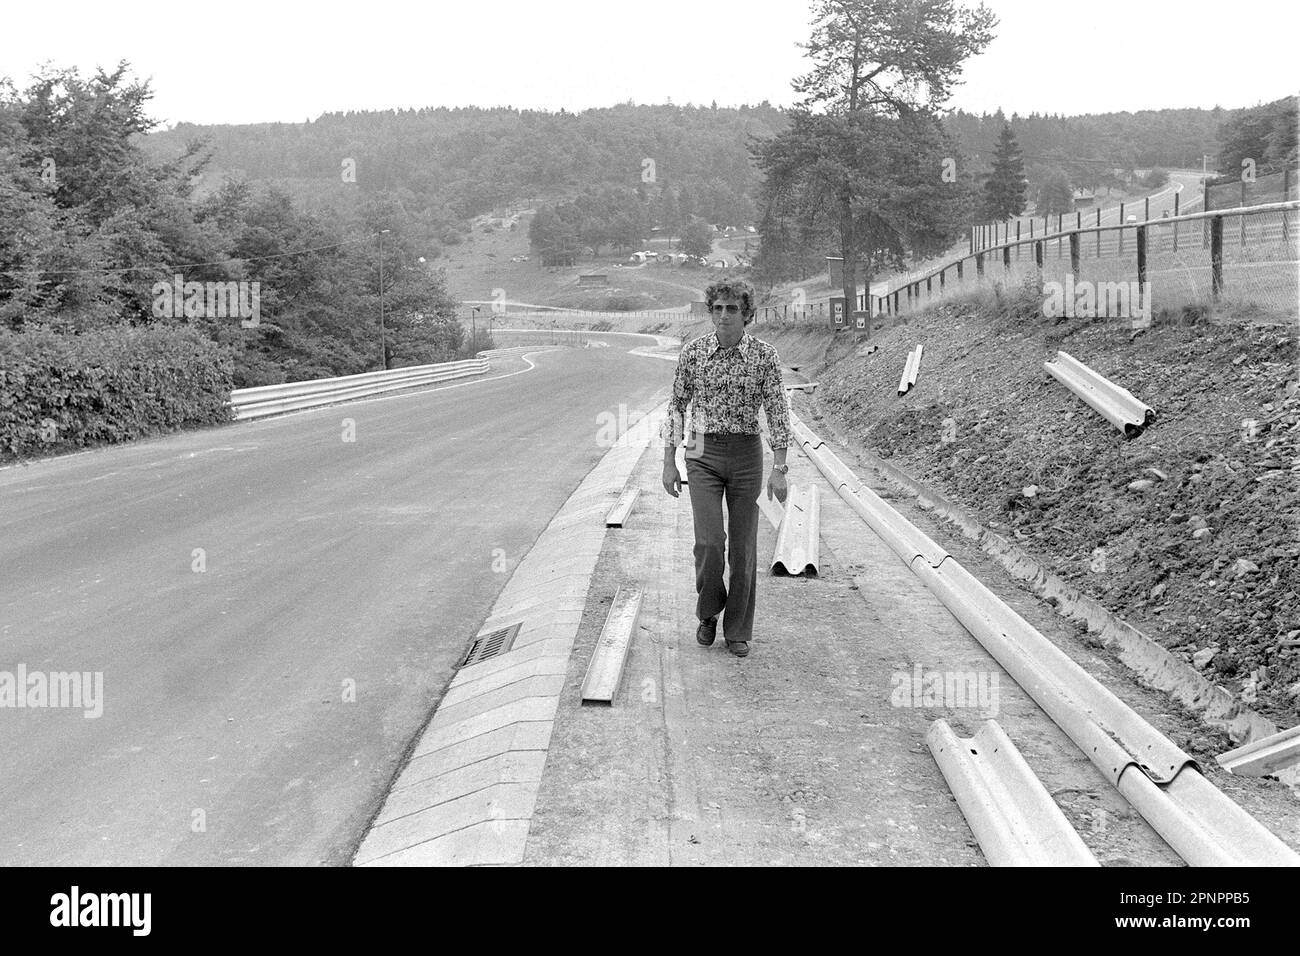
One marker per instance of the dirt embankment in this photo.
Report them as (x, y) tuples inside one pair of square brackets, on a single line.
[(1191, 531)]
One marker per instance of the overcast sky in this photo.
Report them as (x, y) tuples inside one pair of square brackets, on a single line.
[(244, 62)]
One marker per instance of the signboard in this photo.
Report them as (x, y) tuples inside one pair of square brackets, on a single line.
[(860, 320), (837, 312)]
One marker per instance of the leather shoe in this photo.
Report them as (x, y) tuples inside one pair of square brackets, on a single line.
[(739, 648), (707, 631)]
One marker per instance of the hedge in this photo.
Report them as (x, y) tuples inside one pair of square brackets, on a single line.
[(60, 392)]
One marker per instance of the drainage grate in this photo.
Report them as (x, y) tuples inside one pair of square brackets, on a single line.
[(486, 646)]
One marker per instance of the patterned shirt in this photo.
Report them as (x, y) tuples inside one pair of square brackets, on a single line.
[(726, 386)]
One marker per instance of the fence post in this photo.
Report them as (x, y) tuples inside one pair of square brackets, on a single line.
[(1216, 256), (1121, 230), (1176, 195), (941, 272), (1006, 258), (979, 265), (1099, 232), (895, 302), (1142, 263), (1205, 207), (1038, 254), (1059, 226), (1074, 255), (1017, 238), (960, 275), (1146, 209)]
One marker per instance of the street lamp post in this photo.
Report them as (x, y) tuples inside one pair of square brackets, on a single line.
[(383, 330)]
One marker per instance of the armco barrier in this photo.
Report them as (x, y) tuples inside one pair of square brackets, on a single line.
[(1115, 404), (1008, 808), (266, 400), (1162, 782)]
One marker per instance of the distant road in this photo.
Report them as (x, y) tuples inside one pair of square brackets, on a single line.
[(225, 737)]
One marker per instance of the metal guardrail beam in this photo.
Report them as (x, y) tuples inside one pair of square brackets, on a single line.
[(910, 370), (605, 670), (1201, 824), (1262, 757), (1115, 404), (1009, 810), (618, 514), (263, 400), (798, 538)]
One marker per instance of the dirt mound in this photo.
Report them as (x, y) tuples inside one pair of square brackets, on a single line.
[(1191, 531)]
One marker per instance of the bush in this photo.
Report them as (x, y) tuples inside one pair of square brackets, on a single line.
[(1155, 178), (59, 392)]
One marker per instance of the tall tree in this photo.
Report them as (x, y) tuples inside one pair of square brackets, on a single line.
[(1055, 194), (1004, 193), (880, 58)]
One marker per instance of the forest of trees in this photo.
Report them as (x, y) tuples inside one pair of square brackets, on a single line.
[(92, 222), (97, 207)]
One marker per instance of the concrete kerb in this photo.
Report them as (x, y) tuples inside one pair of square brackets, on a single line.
[(533, 735), (514, 659), (468, 792), (548, 666), (501, 801), (535, 686), (493, 842), (415, 795)]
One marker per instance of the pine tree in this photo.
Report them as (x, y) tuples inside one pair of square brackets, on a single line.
[(1004, 193)]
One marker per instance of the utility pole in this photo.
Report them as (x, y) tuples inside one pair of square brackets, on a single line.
[(383, 331)]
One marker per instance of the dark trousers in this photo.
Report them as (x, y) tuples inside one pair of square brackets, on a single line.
[(726, 467)]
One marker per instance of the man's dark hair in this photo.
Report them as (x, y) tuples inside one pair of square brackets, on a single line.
[(732, 289)]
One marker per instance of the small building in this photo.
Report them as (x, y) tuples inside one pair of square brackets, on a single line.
[(1083, 199)]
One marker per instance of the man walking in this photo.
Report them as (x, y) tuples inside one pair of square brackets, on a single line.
[(727, 375)]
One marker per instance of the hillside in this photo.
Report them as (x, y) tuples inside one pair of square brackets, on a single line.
[(1188, 532), (485, 262)]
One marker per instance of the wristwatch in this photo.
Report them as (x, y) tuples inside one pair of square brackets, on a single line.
[(783, 469)]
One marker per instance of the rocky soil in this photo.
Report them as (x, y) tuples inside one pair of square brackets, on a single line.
[(1190, 531)]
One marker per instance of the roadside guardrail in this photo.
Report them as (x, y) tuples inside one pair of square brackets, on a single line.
[(264, 400)]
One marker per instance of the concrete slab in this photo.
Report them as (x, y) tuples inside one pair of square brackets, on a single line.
[(515, 657), (515, 766), (497, 842), (532, 735), (538, 667), (445, 733), (489, 700), (502, 801)]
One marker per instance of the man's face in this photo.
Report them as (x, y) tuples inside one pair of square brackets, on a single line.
[(727, 318)]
